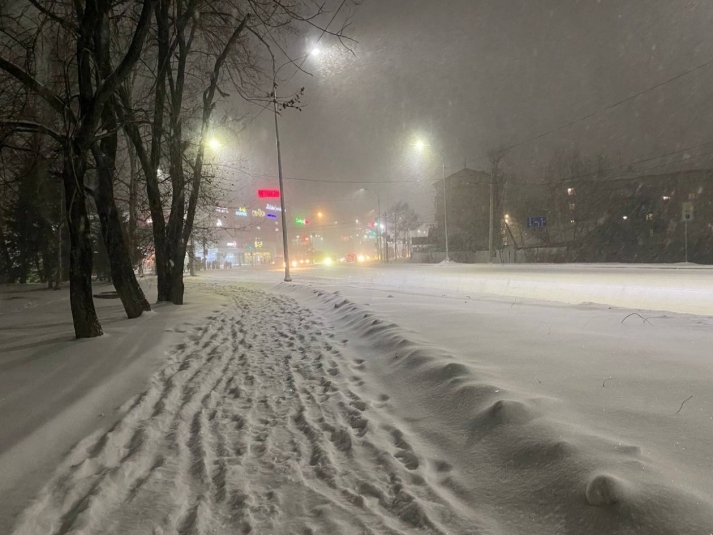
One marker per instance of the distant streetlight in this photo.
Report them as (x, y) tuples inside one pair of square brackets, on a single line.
[(420, 145), (319, 214)]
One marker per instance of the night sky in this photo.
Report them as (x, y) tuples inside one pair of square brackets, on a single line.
[(471, 75)]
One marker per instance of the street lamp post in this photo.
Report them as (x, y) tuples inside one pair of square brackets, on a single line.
[(282, 189), (422, 145), (445, 208)]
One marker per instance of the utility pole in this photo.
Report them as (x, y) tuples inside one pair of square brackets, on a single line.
[(378, 226), (386, 235), (445, 208), (492, 205), (685, 226), (420, 145), (282, 189)]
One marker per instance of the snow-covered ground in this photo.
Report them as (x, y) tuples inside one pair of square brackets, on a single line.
[(55, 390), (358, 406)]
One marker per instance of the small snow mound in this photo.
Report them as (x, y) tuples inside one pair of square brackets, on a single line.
[(473, 394), (447, 262), (502, 413), (451, 370), (604, 489), (506, 412)]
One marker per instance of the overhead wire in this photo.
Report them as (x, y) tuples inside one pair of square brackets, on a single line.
[(609, 107)]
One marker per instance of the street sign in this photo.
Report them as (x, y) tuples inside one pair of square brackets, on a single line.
[(268, 193), (687, 212), (538, 221)]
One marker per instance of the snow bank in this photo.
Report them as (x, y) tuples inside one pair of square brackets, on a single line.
[(530, 463)]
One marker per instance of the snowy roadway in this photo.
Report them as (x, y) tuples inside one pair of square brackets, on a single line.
[(403, 405), (685, 288)]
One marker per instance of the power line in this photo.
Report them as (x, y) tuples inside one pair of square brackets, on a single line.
[(611, 106), (625, 176)]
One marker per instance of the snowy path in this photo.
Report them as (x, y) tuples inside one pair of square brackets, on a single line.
[(252, 426)]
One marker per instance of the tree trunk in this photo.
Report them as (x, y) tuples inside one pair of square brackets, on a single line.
[(177, 287), (6, 259), (133, 196), (84, 316), (47, 266), (122, 271), (58, 272), (192, 258)]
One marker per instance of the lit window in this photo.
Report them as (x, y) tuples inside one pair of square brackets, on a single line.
[(219, 223), (571, 221), (691, 196), (625, 217), (572, 206), (649, 217), (666, 198), (570, 191)]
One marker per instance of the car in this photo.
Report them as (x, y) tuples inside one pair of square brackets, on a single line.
[(351, 257)]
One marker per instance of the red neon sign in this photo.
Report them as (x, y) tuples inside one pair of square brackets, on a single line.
[(268, 193)]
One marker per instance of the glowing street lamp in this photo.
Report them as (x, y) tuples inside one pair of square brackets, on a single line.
[(214, 144)]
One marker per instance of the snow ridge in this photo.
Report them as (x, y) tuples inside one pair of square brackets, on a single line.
[(532, 471)]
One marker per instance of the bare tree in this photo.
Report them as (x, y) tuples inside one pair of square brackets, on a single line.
[(401, 220), (84, 128), (198, 47)]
